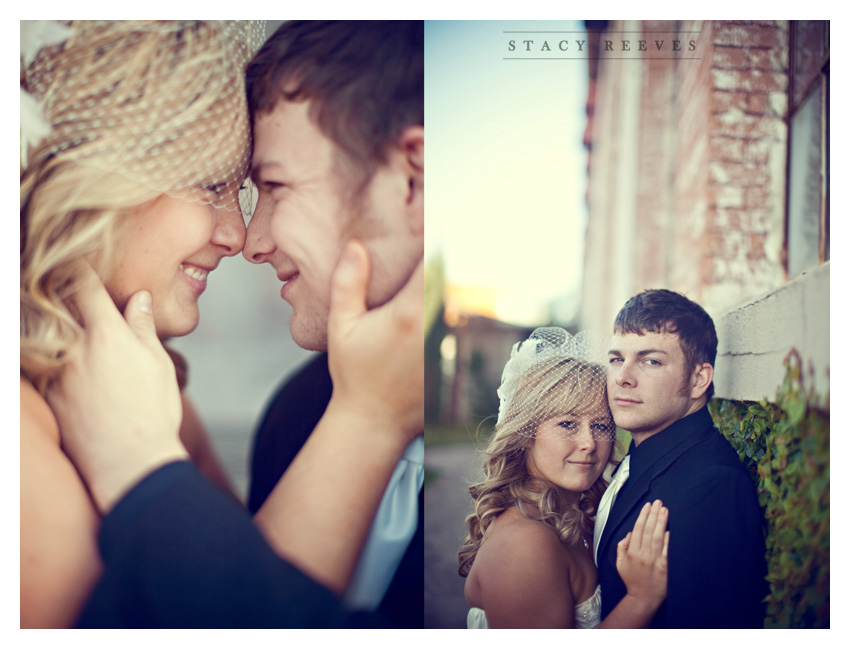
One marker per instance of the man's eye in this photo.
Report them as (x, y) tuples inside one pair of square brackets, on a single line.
[(652, 361), (615, 359)]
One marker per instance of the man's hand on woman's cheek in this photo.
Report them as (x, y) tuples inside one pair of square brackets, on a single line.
[(116, 400), (376, 357)]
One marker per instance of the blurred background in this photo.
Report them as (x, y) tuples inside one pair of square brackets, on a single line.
[(563, 178)]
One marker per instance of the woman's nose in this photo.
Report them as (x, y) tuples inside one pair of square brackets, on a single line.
[(229, 232), (585, 437)]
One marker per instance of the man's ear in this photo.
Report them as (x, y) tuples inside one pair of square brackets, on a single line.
[(411, 145), (701, 379)]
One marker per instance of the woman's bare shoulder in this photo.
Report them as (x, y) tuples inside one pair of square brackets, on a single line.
[(523, 574), (59, 556), (36, 416), (529, 546)]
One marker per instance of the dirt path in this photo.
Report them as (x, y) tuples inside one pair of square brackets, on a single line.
[(447, 504)]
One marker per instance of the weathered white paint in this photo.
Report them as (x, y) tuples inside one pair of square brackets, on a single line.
[(755, 338)]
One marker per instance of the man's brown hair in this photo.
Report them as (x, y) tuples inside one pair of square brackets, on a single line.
[(365, 78), (663, 311)]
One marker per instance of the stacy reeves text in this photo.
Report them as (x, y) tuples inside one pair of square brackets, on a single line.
[(667, 45)]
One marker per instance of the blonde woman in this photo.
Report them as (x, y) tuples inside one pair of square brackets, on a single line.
[(528, 557), (134, 143)]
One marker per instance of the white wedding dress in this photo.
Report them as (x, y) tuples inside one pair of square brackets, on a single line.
[(588, 614)]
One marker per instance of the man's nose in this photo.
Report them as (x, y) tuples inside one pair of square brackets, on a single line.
[(258, 242), (624, 375)]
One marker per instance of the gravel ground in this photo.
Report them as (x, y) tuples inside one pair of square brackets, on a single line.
[(447, 504)]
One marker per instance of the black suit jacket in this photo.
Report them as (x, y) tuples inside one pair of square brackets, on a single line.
[(289, 419), (178, 553), (716, 554)]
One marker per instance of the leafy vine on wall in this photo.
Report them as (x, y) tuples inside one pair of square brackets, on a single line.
[(785, 446)]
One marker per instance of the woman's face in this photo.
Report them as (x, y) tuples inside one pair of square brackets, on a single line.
[(168, 248), (565, 453)]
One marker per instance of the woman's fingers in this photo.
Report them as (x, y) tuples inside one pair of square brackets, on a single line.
[(651, 523), (623, 548), (638, 529), (659, 532)]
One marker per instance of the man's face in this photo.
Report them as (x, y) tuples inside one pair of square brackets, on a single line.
[(648, 389), (308, 209)]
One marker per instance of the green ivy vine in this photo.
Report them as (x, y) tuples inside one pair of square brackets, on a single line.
[(785, 445)]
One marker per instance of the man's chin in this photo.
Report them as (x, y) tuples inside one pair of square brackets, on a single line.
[(310, 336)]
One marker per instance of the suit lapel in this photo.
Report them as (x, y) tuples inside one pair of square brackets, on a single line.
[(635, 492)]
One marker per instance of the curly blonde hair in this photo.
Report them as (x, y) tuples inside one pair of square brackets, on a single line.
[(551, 389), (137, 109)]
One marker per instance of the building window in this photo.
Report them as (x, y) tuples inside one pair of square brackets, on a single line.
[(807, 227)]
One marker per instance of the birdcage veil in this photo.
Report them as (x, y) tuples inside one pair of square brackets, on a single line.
[(552, 374), (161, 103)]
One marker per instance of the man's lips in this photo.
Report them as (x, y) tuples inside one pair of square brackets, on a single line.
[(625, 401), (287, 279)]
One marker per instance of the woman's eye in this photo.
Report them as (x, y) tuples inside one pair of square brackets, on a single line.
[(567, 425), (216, 189)]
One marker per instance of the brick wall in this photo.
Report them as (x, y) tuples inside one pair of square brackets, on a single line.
[(708, 212), (746, 159)]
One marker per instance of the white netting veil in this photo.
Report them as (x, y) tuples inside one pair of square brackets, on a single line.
[(161, 103), (554, 385)]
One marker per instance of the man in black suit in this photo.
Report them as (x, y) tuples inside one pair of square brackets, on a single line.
[(660, 380)]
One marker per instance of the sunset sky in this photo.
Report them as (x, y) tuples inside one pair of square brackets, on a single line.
[(506, 167)]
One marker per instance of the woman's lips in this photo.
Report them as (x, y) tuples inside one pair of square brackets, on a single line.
[(195, 276)]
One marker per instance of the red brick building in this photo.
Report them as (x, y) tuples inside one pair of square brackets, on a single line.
[(709, 175)]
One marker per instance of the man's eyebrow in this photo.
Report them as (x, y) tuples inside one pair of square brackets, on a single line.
[(647, 352), (641, 353), (256, 169)]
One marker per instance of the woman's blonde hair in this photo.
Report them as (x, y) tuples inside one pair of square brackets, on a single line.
[(136, 109), (552, 388)]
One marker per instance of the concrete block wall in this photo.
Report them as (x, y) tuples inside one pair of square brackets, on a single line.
[(755, 338)]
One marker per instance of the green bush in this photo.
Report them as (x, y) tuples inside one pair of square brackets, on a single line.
[(785, 445)]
